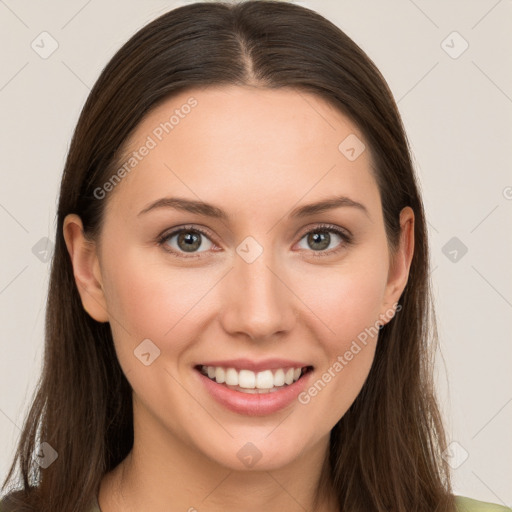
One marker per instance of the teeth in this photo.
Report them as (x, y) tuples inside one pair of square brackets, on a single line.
[(220, 374), (264, 380), (279, 378), (249, 380), (231, 377)]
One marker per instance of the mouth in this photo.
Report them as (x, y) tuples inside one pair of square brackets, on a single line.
[(247, 381)]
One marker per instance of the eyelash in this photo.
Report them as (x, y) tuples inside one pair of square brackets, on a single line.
[(344, 235)]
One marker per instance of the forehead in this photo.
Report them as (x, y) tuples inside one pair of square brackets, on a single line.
[(244, 145)]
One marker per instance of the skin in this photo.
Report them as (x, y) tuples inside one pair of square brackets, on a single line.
[(257, 154)]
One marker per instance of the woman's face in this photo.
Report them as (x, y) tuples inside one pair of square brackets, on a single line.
[(262, 287)]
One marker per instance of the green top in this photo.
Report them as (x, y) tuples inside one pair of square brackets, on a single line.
[(463, 504), (470, 505)]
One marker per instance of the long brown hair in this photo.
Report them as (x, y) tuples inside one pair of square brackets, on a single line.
[(385, 452)]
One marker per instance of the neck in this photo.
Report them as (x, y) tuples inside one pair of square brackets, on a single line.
[(161, 471)]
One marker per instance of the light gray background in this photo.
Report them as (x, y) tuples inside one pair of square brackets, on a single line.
[(457, 113)]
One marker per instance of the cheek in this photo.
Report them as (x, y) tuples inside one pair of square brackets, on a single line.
[(350, 305), (347, 302), (154, 300), (345, 299)]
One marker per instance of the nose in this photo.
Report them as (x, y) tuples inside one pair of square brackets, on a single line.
[(258, 301)]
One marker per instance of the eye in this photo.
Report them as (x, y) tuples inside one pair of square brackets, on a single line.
[(320, 238), (186, 240)]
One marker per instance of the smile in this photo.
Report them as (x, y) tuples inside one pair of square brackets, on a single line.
[(254, 389), (248, 381)]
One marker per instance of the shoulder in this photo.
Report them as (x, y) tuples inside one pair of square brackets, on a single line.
[(465, 504)]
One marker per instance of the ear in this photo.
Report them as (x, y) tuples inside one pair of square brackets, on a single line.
[(86, 268), (401, 262)]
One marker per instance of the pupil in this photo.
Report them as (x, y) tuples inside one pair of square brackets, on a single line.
[(320, 237), (191, 241)]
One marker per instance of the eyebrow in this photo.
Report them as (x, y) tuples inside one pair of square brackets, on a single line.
[(209, 210)]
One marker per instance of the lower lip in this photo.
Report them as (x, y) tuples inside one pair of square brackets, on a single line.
[(259, 404)]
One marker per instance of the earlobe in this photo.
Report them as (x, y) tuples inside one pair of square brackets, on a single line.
[(86, 268), (401, 264)]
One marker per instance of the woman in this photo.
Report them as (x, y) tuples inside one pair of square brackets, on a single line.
[(239, 311)]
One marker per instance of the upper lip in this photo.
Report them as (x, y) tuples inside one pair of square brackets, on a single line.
[(256, 366)]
